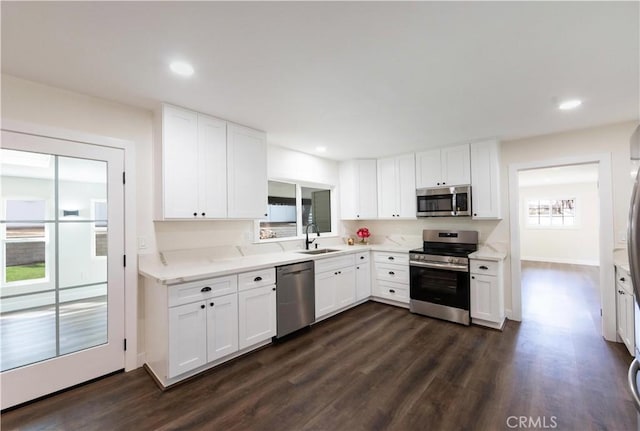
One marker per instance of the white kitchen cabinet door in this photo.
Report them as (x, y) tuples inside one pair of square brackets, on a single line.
[(397, 187), (222, 326), (358, 190), (179, 163), (456, 166), (630, 340), (484, 300), (363, 281), (485, 180), (406, 180), (326, 293), (346, 286), (428, 169), (368, 190), (387, 188), (212, 167), (187, 338), (246, 173), (257, 315), (621, 313)]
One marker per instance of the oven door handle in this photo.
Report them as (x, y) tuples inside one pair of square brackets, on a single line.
[(449, 266)]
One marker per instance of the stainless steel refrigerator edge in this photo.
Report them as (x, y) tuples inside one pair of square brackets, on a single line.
[(633, 247), (295, 297)]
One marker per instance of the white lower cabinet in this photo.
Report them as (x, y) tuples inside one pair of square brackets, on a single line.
[(391, 281), (363, 276), (625, 309), (257, 314), (202, 332), (487, 293), (335, 284)]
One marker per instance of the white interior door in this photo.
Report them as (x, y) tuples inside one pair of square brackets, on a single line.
[(62, 270)]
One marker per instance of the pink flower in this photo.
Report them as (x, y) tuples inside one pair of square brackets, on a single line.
[(363, 232)]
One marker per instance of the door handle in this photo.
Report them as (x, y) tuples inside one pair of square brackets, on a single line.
[(205, 289)]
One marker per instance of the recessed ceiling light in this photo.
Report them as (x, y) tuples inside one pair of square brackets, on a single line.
[(569, 104), (181, 68), (321, 149)]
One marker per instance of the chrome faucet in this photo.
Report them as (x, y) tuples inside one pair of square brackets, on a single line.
[(306, 241)]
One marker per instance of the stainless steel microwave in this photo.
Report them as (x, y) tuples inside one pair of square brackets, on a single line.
[(444, 201)]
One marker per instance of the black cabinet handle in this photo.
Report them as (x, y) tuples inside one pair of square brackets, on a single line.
[(438, 183), (620, 292), (195, 214), (274, 289), (361, 257), (443, 183), (391, 258), (475, 214), (358, 215), (257, 279), (473, 277), (392, 273), (622, 279), (392, 291), (205, 289), (357, 267), (212, 304), (203, 214), (266, 215), (202, 306), (483, 267)]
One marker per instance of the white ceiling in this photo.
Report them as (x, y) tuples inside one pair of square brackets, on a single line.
[(574, 174), (364, 79)]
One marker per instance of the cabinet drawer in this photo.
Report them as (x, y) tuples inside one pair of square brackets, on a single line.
[(624, 279), (199, 290), (391, 290), (397, 273), (332, 263), (483, 267), (362, 257), (384, 257), (250, 280)]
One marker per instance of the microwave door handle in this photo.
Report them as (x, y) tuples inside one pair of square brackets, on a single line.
[(454, 202)]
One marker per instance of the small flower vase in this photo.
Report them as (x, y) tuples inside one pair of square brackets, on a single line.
[(363, 241)]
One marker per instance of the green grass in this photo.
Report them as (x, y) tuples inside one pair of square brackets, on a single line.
[(25, 272)]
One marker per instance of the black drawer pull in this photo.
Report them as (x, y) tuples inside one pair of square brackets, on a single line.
[(202, 306), (205, 289), (473, 277), (212, 304), (391, 258), (620, 292), (361, 257), (273, 288), (203, 214), (257, 279), (392, 291), (357, 267), (195, 214), (392, 273), (622, 279), (483, 267)]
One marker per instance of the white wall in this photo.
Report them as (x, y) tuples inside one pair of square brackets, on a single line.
[(578, 244)]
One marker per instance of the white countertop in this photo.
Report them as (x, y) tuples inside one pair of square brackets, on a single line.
[(202, 267), (621, 259), (488, 253)]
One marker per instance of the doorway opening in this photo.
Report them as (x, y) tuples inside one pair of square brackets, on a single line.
[(559, 247)]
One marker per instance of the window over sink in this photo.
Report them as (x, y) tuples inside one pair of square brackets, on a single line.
[(293, 206)]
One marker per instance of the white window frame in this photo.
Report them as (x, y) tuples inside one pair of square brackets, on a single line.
[(576, 217), (299, 226)]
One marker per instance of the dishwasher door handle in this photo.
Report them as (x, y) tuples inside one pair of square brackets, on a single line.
[(633, 385)]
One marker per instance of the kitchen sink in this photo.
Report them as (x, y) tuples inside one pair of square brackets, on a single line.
[(319, 251)]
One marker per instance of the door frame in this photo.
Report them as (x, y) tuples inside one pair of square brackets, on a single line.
[(606, 233), (131, 359)]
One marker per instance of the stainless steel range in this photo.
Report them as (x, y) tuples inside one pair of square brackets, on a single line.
[(440, 284)]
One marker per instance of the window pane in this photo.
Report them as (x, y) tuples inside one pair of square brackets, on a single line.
[(556, 221), (100, 214), (545, 221), (316, 208), (281, 218), (25, 261), (569, 221), (81, 183), (556, 208), (533, 220), (545, 208)]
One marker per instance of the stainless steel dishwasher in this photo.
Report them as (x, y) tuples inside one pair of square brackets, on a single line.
[(295, 297)]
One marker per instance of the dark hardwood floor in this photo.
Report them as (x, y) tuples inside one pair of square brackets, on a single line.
[(378, 367)]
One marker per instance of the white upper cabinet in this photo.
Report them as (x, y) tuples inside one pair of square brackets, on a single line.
[(210, 169), (358, 190), (485, 180), (448, 166), (396, 187), (179, 160), (246, 172)]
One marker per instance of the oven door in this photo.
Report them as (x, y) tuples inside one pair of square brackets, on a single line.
[(440, 286)]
